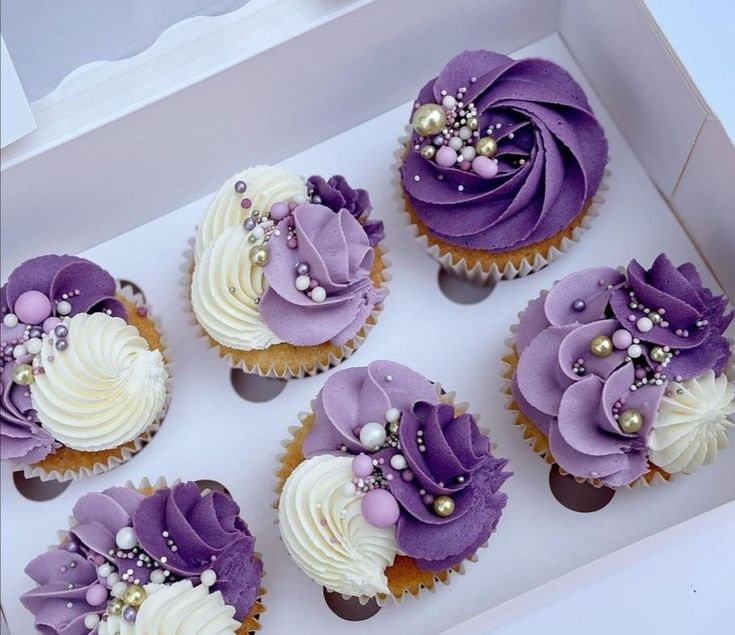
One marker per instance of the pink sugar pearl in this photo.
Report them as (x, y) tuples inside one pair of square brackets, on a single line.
[(446, 157), (485, 167), (32, 307), (279, 211), (362, 466), (380, 508), (96, 595)]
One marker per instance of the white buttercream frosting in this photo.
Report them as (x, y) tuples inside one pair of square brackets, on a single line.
[(692, 423), (322, 525), (104, 390), (177, 609), (266, 185), (225, 288)]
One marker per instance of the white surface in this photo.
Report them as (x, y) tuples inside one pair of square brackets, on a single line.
[(701, 33), (16, 118), (211, 433)]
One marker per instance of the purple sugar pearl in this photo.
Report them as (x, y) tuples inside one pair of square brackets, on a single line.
[(621, 339), (380, 508), (302, 268), (279, 211), (61, 331), (96, 595), (240, 187), (50, 323), (249, 224), (129, 614), (579, 305), (61, 345), (32, 307), (362, 466)]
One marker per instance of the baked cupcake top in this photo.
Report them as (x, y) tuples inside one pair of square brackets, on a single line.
[(279, 259), (131, 563), (391, 467), (623, 371), (503, 153), (73, 371)]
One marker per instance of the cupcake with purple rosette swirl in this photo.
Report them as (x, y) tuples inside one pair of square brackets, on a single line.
[(387, 486), (618, 376), (155, 559), (288, 276), (83, 377), (502, 166)]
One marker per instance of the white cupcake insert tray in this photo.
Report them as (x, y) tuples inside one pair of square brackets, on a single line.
[(211, 432)]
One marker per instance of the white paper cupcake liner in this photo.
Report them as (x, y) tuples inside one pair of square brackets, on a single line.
[(37, 471), (447, 574), (161, 483), (476, 274), (345, 351), (507, 375)]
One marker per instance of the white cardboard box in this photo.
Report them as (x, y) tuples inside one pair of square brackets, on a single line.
[(334, 99)]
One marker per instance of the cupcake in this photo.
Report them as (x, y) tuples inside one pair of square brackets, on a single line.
[(618, 376), (502, 165), (287, 275), (149, 560), (83, 372), (387, 486)]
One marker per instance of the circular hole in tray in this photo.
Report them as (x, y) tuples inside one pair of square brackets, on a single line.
[(579, 497), (462, 291), (254, 387), (212, 486), (37, 490), (135, 288), (350, 609)]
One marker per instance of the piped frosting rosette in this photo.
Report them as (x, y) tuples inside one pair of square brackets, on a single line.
[(619, 376), (387, 486), (83, 375), (288, 275), (149, 560), (502, 164)]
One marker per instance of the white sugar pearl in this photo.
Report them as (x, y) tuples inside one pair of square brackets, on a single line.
[(126, 538), (372, 435), (102, 629), (465, 133), (318, 294), (19, 351), (398, 462), (449, 102), (91, 620), (10, 320), (208, 577), (302, 283), (104, 570), (455, 143), (157, 576), (118, 589), (392, 415), (33, 345), (113, 579), (644, 324), (634, 350), (258, 232), (469, 153), (63, 308), (349, 489)]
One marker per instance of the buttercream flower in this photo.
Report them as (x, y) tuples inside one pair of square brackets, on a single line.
[(338, 257), (521, 170), (448, 459), (337, 194)]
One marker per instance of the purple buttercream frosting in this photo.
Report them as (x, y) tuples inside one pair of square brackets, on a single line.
[(337, 194), (659, 324), (87, 288), (456, 460), (337, 251), (551, 153), (205, 529)]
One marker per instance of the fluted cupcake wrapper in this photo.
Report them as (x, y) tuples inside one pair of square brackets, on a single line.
[(252, 622), (117, 456), (475, 273), (538, 440), (427, 580), (315, 365)]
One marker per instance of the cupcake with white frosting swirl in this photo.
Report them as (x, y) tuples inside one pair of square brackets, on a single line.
[(287, 275), (83, 373), (152, 560), (387, 486)]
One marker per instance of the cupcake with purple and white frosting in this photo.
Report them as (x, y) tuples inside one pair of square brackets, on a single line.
[(83, 377), (619, 376), (387, 486), (288, 274), (154, 560)]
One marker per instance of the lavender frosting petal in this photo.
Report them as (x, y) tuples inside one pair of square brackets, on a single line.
[(545, 120), (339, 255)]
